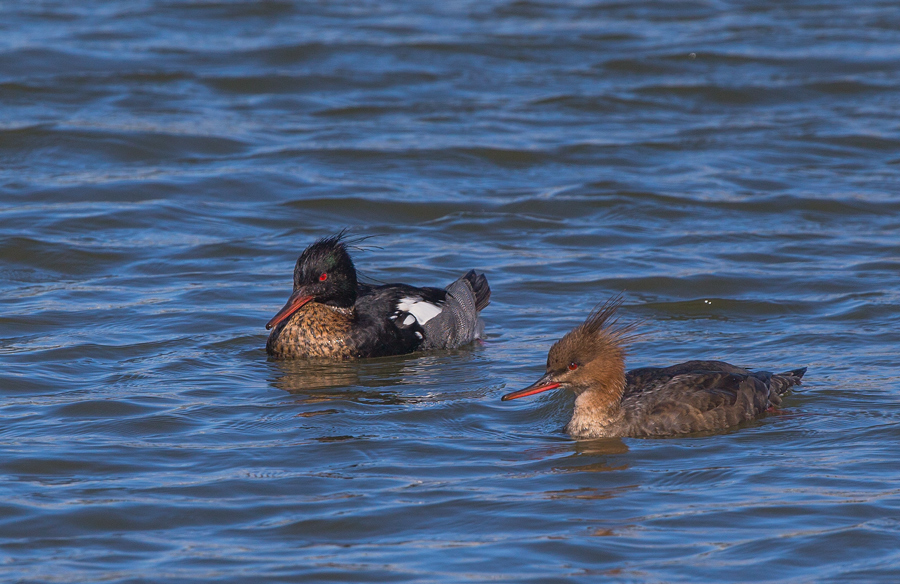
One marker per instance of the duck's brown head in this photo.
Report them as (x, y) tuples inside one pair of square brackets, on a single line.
[(324, 273), (590, 357)]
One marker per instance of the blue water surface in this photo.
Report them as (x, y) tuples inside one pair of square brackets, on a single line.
[(731, 167)]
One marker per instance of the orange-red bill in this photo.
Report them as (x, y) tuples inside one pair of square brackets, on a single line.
[(538, 387), (293, 305)]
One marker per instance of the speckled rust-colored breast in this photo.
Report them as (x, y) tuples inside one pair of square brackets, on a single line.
[(315, 330)]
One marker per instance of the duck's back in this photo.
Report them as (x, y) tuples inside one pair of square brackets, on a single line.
[(402, 318), (698, 396)]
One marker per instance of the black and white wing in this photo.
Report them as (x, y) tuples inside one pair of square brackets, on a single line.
[(439, 319)]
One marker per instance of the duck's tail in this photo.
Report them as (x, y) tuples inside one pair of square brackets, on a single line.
[(781, 382), (480, 289), (458, 322)]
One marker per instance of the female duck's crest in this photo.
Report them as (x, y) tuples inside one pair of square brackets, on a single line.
[(592, 353)]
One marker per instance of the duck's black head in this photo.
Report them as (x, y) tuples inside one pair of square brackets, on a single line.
[(325, 274)]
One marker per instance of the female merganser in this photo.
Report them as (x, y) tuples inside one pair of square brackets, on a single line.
[(331, 315), (651, 401)]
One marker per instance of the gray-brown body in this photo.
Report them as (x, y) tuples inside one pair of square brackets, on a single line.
[(696, 396)]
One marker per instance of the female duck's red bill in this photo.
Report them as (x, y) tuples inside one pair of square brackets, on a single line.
[(293, 305), (542, 384)]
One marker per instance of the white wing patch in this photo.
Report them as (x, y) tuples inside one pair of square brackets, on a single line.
[(421, 310)]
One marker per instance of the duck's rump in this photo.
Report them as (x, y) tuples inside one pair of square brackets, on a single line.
[(698, 396), (427, 318)]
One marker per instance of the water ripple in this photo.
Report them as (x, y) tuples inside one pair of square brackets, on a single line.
[(732, 168)]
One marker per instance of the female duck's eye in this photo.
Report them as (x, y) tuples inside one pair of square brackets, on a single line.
[(323, 277), (573, 366)]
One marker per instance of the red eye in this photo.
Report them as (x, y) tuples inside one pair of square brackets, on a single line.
[(323, 277), (573, 366)]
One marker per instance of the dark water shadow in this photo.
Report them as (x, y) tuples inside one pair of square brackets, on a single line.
[(369, 380), (302, 376), (598, 455)]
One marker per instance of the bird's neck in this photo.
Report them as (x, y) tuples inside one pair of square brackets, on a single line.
[(348, 312), (341, 307), (599, 406)]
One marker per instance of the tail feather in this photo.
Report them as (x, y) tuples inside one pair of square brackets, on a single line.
[(458, 323), (480, 289), (781, 382)]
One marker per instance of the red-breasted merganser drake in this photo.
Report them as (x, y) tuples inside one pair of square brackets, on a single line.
[(331, 315), (651, 401)]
